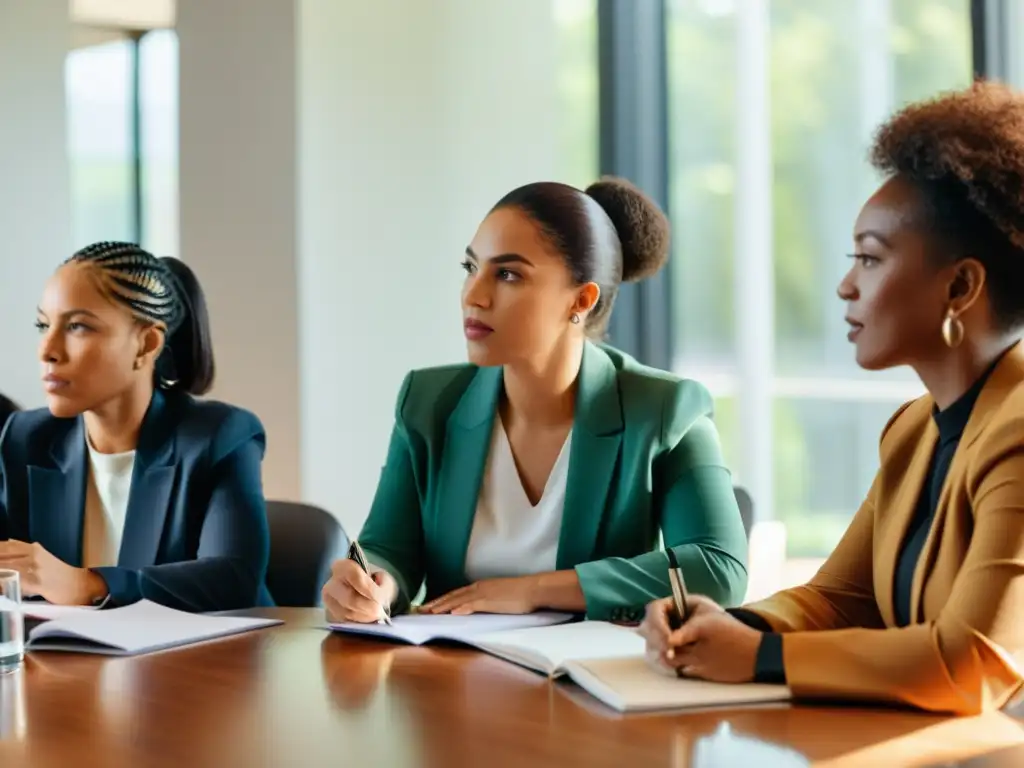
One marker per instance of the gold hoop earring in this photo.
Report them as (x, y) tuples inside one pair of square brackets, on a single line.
[(574, 318), (952, 331)]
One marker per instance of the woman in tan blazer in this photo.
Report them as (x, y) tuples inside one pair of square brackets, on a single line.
[(922, 602)]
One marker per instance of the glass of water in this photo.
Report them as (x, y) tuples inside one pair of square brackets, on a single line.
[(12, 624)]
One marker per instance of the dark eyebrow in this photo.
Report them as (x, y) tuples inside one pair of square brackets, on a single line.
[(72, 313), (874, 235), (505, 258)]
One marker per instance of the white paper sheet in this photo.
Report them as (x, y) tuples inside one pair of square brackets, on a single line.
[(418, 629), (138, 628)]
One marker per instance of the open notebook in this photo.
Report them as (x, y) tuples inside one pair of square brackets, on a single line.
[(632, 685), (603, 659), (134, 629), (543, 642)]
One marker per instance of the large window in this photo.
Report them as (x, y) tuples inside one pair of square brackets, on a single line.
[(576, 22), (158, 107), (771, 109), (98, 88), (122, 139)]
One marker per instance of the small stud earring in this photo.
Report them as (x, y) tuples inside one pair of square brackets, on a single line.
[(574, 318), (137, 364), (952, 331)]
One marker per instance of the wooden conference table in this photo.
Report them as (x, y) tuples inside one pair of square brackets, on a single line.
[(297, 696)]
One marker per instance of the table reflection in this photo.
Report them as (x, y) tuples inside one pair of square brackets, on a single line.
[(297, 695), (725, 747), (13, 716), (354, 673)]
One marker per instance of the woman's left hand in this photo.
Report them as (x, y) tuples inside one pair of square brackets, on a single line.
[(514, 595), (711, 645), (49, 577)]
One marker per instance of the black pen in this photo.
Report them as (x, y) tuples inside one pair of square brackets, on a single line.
[(675, 577), (355, 554)]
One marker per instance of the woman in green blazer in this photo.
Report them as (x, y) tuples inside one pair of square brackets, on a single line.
[(540, 475)]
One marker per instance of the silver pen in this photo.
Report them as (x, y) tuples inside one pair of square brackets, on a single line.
[(680, 606), (675, 578), (356, 555)]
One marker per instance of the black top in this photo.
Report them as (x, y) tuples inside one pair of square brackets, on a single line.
[(951, 423)]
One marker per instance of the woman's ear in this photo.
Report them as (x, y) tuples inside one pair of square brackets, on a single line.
[(151, 344), (586, 298), (967, 285)]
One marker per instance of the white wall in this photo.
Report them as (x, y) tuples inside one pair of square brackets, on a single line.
[(428, 116), (237, 182), (35, 198), (412, 119)]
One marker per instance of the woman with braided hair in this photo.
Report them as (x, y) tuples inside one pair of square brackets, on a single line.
[(922, 602), (127, 487)]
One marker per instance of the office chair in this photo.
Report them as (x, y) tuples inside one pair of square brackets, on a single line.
[(304, 541), (746, 505)]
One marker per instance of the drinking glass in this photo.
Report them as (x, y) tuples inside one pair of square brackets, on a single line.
[(12, 624)]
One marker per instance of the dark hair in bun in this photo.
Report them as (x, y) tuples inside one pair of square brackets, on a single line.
[(609, 234)]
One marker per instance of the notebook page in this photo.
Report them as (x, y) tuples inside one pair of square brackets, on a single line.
[(421, 628), (140, 627), (49, 611), (631, 684), (547, 649)]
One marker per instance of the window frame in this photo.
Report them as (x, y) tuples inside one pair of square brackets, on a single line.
[(634, 143)]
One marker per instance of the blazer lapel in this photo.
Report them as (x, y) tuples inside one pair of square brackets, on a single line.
[(897, 515), (467, 444), (1005, 377), (55, 492), (596, 439), (152, 484)]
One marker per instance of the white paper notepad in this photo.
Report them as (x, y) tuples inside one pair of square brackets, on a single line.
[(632, 685), (543, 642), (142, 627)]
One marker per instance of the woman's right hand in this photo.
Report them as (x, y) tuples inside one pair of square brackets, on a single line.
[(352, 595)]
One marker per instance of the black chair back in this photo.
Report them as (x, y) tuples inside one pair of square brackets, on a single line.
[(304, 541), (746, 505)]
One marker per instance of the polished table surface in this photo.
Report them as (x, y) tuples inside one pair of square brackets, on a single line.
[(296, 695)]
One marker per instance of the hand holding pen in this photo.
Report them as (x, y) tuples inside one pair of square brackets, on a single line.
[(354, 593), (692, 636)]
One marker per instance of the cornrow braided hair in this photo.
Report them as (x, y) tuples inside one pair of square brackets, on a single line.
[(137, 279)]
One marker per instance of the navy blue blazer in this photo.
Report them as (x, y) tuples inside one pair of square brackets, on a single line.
[(7, 407), (195, 535)]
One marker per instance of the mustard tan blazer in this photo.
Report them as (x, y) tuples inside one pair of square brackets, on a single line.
[(964, 654)]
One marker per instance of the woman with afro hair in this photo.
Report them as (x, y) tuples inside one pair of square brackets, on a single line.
[(922, 602)]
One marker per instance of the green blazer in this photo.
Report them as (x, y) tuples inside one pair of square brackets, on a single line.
[(644, 457)]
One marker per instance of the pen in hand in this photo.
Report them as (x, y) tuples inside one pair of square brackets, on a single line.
[(680, 606), (355, 554)]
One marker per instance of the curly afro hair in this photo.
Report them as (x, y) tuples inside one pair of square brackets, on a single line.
[(964, 152), (608, 234)]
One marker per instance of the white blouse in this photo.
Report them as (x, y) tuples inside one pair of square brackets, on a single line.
[(106, 506), (511, 536)]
